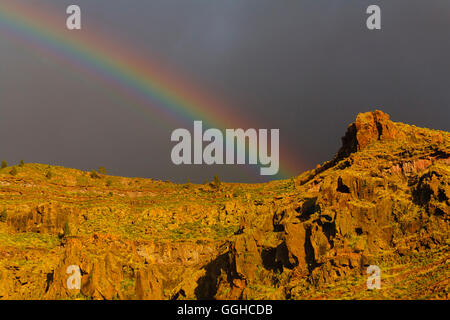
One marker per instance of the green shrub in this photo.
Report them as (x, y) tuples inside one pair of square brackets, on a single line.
[(13, 172), (187, 185), (102, 170), (49, 174), (94, 175), (22, 163), (4, 164), (3, 216), (293, 185), (216, 182), (66, 230)]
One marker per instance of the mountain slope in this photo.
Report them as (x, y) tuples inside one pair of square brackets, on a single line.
[(383, 200)]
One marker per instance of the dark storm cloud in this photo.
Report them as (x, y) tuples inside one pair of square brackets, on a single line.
[(306, 67)]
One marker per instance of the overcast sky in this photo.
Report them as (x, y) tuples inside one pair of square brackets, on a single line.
[(306, 67)]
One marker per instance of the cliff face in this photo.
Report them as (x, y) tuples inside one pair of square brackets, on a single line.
[(383, 200)]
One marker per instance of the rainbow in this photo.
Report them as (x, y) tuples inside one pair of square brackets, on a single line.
[(155, 91)]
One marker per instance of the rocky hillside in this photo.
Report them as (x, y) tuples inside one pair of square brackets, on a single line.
[(383, 200)]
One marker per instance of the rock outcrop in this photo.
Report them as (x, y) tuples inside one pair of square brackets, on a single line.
[(383, 200), (368, 128)]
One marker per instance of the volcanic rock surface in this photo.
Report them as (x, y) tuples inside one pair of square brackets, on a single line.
[(383, 200)]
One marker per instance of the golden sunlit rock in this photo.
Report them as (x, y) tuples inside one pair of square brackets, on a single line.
[(383, 200)]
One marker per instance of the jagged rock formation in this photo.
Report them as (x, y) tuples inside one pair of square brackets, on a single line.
[(383, 200)]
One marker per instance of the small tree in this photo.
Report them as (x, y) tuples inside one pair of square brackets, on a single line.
[(292, 183), (22, 163), (4, 164), (66, 230), (94, 175), (102, 170), (3, 216), (217, 182), (13, 172), (49, 174)]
